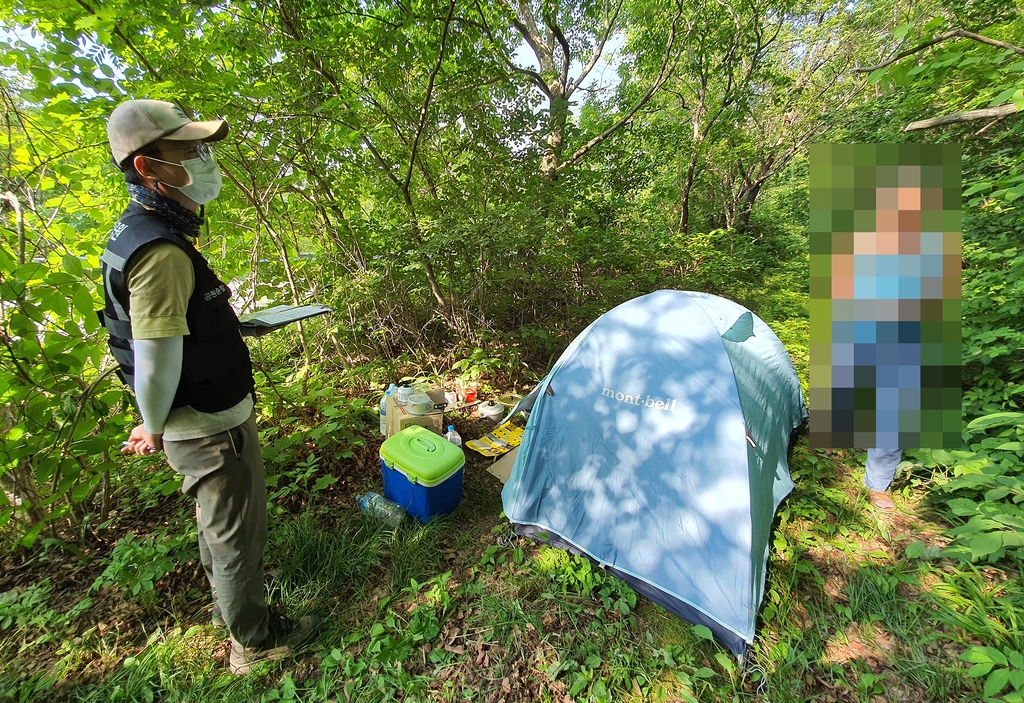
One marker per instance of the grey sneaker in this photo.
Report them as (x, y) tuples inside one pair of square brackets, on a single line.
[(217, 620), (285, 638)]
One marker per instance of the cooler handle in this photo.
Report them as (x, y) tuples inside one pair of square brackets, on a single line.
[(424, 444)]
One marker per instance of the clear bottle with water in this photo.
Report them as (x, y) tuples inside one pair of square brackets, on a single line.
[(452, 436), (384, 409), (376, 505)]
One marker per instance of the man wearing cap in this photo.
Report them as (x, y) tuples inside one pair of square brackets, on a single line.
[(178, 346)]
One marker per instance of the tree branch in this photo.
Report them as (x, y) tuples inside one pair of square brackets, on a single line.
[(551, 22), (138, 54), (663, 73), (527, 27), (537, 79), (19, 217), (955, 33), (598, 52), (78, 416), (426, 98), (969, 116)]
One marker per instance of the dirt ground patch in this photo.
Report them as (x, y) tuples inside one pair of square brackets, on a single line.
[(869, 643)]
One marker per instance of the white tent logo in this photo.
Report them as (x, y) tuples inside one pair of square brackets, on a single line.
[(649, 402)]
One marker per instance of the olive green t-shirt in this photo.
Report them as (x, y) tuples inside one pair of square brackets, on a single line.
[(160, 281)]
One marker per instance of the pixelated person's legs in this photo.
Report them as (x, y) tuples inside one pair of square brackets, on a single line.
[(881, 467)]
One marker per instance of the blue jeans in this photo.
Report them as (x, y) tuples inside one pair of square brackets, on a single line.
[(881, 467)]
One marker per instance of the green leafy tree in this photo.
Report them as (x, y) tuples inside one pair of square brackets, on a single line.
[(58, 409), (756, 83), (567, 41)]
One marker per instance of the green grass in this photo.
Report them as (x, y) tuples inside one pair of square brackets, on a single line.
[(404, 614), (462, 610)]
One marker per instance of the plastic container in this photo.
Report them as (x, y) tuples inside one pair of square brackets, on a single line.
[(402, 395), (469, 395), (376, 505), (422, 472), (451, 397), (419, 404), (384, 410), (491, 410), (452, 436)]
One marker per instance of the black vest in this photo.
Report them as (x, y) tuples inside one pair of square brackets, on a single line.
[(216, 372)]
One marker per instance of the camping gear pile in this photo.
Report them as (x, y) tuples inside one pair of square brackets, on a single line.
[(420, 469), (427, 411)]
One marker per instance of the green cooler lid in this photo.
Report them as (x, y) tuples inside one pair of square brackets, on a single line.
[(424, 457)]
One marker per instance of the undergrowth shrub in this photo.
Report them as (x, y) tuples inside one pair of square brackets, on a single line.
[(309, 428), (984, 496), (993, 298), (29, 609), (137, 563)]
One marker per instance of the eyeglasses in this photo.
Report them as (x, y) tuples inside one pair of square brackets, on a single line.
[(197, 149)]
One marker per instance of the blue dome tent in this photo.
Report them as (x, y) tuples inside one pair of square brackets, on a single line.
[(657, 447)]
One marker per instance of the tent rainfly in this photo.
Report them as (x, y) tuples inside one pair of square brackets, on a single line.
[(656, 446)]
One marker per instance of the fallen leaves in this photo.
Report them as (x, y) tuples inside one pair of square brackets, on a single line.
[(869, 643)]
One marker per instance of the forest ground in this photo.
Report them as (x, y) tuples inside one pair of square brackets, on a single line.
[(461, 609)]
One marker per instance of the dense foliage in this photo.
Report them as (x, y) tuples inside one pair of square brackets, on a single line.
[(405, 166), (468, 185)]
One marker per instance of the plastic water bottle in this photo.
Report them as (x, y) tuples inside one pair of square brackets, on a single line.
[(378, 506), (452, 436), (384, 409)]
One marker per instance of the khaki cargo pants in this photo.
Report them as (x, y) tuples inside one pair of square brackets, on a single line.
[(224, 473)]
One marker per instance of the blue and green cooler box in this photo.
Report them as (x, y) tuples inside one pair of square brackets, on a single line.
[(422, 472)]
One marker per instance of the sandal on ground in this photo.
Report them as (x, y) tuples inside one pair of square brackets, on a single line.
[(882, 501)]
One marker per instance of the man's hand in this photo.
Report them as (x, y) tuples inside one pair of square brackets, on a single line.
[(143, 443)]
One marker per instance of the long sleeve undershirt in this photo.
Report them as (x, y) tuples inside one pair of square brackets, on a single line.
[(157, 372)]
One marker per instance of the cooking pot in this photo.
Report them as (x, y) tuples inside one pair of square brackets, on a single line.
[(419, 404), (491, 410)]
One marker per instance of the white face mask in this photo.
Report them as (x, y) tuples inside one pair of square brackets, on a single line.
[(204, 179)]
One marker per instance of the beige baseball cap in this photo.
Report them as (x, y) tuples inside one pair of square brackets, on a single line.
[(136, 123)]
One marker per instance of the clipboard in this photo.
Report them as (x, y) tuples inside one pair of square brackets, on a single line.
[(263, 321)]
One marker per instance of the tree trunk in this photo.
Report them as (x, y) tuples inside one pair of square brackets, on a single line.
[(684, 210), (751, 189), (428, 268), (555, 139), (743, 216), (19, 217)]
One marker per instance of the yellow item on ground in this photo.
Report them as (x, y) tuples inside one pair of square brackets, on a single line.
[(498, 441)]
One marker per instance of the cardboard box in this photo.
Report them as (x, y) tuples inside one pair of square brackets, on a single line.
[(502, 468), (398, 418)]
